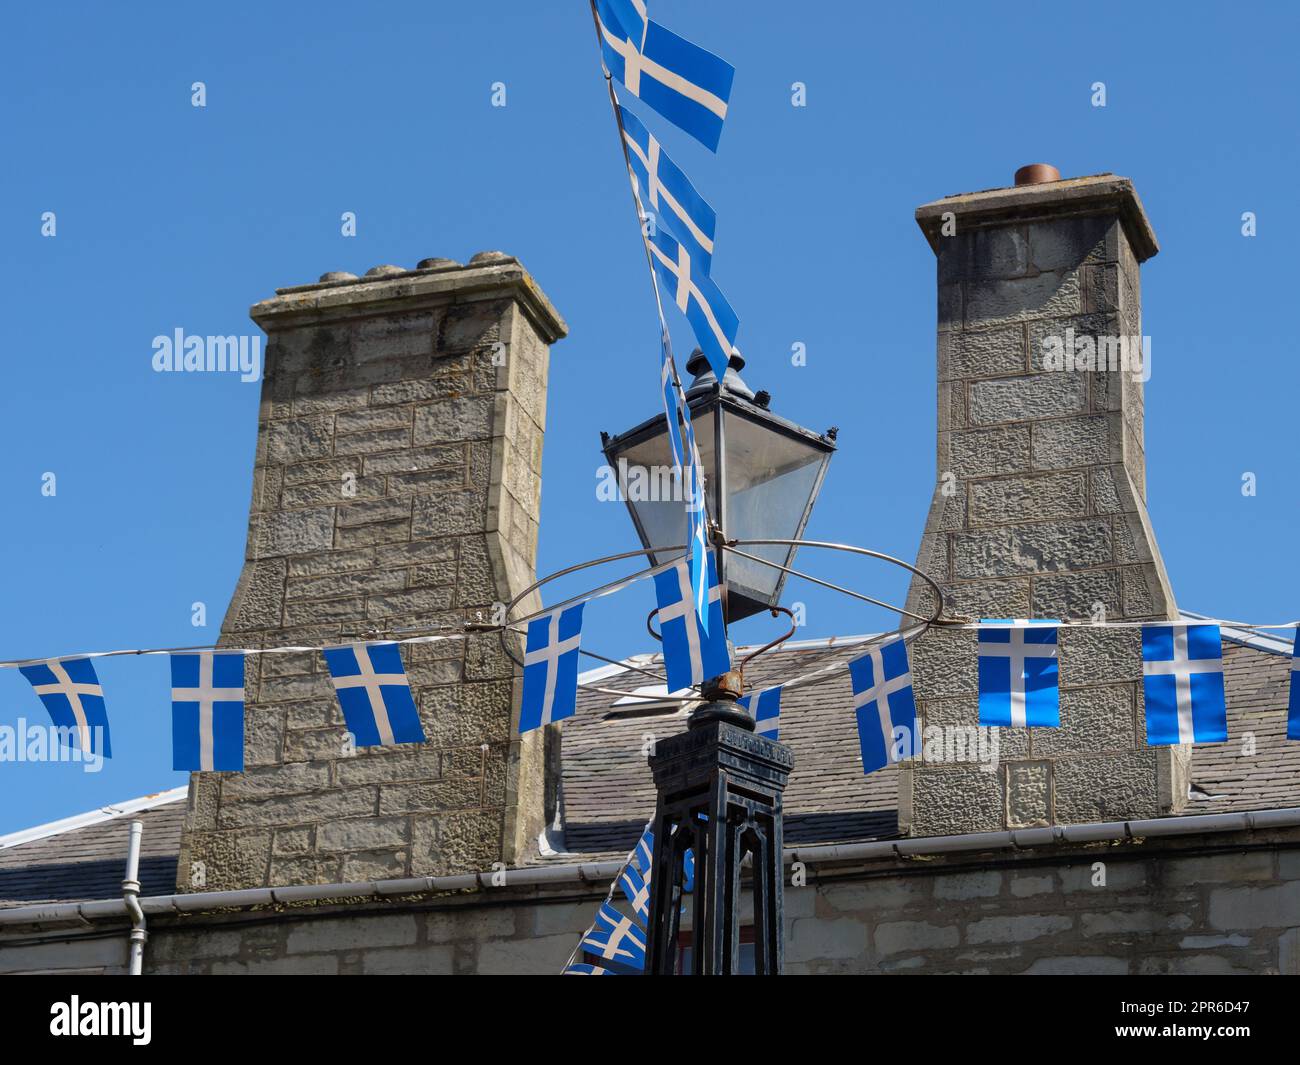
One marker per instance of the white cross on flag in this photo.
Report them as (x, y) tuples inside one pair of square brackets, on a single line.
[(374, 693), (75, 700), (1018, 683), (687, 85), (551, 668), (208, 711), (693, 292), (1182, 668), (691, 655), (882, 701)]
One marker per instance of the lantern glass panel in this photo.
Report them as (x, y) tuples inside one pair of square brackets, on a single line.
[(770, 481), (650, 487)]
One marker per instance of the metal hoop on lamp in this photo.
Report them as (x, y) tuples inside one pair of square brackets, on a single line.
[(728, 545)]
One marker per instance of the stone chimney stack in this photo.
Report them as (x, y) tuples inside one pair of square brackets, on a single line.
[(396, 486), (1040, 506)]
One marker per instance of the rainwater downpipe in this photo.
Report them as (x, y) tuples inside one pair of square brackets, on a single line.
[(131, 896)]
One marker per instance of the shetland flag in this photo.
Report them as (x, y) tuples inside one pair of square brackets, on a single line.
[(74, 698), (883, 703), (374, 694), (616, 937), (691, 655), (1017, 673), (765, 708), (208, 711), (1182, 682), (666, 191), (1293, 711), (689, 287), (551, 668), (687, 85)]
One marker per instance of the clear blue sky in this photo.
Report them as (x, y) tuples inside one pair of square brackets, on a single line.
[(170, 216)]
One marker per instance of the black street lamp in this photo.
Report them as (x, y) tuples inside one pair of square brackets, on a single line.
[(719, 784), (762, 474)]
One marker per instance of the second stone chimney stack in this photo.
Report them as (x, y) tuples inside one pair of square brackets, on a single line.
[(1040, 503), (1040, 509)]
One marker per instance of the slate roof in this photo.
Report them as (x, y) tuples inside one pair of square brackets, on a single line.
[(84, 857), (608, 794)]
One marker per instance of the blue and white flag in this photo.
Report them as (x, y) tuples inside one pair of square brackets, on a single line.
[(643, 855), (74, 699), (1018, 682), (691, 656), (631, 15), (208, 711), (883, 703), (615, 937), (663, 189), (1293, 709), (693, 292), (551, 668), (697, 544), (765, 708), (675, 410), (1182, 681), (636, 889), (580, 968), (374, 694), (687, 85), (688, 871)]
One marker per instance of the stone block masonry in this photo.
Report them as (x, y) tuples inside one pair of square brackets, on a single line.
[(1040, 502), (397, 485), (1223, 903)]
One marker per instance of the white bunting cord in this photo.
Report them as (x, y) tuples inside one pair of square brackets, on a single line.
[(1130, 624), (665, 338), (288, 649), (586, 597)]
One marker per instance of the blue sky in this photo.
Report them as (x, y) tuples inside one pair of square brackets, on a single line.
[(171, 216)]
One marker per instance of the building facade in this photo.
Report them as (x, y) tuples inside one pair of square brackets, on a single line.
[(397, 488)]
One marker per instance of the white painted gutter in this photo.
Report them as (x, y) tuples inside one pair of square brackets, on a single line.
[(603, 872)]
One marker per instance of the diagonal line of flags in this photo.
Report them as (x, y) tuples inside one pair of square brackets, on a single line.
[(691, 88), (616, 939)]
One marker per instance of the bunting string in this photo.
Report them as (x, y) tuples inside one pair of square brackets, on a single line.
[(19, 663)]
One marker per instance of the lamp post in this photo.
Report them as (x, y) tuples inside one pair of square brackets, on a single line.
[(762, 474), (719, 795), (719, 784)]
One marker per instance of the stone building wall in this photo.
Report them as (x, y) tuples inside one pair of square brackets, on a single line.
[(397, 486), (1040, 504), (1211, 904)]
